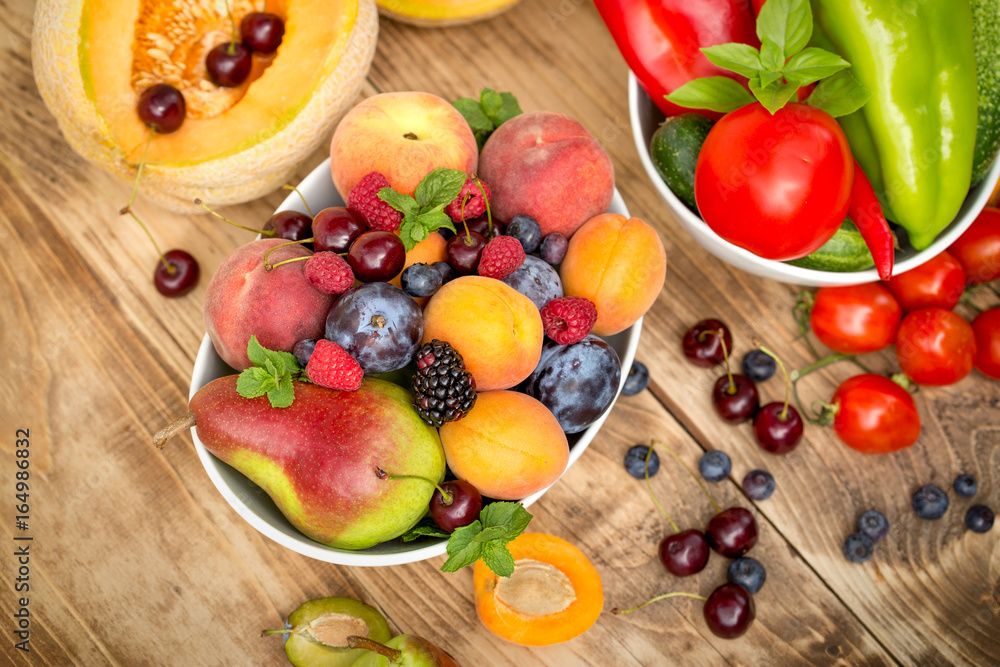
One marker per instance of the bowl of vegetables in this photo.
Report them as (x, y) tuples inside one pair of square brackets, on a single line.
[(811, 170)]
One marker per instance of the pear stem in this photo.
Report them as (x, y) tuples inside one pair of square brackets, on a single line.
[(301, 196), (693, 476), (173, 428), (658, 598), (265, 232), (355, 641), (447, 497)]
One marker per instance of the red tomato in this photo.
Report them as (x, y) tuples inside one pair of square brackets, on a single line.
[(978, 248), (875, 415), (935, 346), (778, 186), (937, 283), (986, 326), (855, 319)]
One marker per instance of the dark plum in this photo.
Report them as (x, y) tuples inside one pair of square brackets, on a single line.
[(576, 382), (525, 229), (735, 398), (554, 248), (303, 350), (684, 553), (290, 225), (732, 532), (420, 280), (729, 611), (702, 345), (378, 324), (536, 280), (376, 256), (336, 228), (460, 508)]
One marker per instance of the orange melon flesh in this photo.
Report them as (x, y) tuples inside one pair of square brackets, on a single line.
[(316, 34)]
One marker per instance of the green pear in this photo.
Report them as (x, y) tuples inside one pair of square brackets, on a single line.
[(348, 469), (401, 651), (320, 628)]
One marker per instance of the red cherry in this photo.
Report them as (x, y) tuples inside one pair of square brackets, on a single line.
[(336, 228), (684, 553), (729, 611), (464, 250), (289, 225), (228, 64), (701, 343), (735, 402), (778, 431), (262, 32), (376, 256), (732, 532), (180, 278), (460, 509), (161, 107)]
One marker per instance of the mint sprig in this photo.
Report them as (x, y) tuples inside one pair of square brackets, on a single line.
[(777, 70), (424, 212), (426, 528), (486, 538), (271, 374), (488, 113)]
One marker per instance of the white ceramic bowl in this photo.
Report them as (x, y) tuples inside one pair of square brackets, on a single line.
[(646, 118), (257, 508)]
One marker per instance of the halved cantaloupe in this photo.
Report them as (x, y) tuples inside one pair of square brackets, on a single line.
[(441, 13), (235, 144)]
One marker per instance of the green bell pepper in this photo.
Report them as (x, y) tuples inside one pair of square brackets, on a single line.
[(916, 136)]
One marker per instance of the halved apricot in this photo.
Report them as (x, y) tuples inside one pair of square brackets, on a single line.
[(554, 595)]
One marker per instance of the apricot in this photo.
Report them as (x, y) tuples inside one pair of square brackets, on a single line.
[(618, 264), (508, 446), (548, 166), (554, 595), (495, 328)]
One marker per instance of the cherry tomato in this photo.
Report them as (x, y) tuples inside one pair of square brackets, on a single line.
[(935, 346), (978, 248), (937, 283), (778, 186), (855, 319), (875, 415), (986, 326)]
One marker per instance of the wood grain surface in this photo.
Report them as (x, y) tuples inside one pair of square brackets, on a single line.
[(137, 560)]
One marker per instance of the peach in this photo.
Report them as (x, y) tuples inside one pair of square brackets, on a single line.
[(495, 328), (508, 446), (618, 264), (403, 136), (548, 166), (280, 307)]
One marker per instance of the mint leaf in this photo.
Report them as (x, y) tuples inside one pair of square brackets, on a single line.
[(487, 538), (405, 204), (283, 395), (463, 549), (248, 386), (717, 93), (511, 516), (426, 528), (273, 370), (508, 109), (440, 187), (773, 97), (787, 24), (473, 114), (813, 64), (283, 361), (839, 95), (491, 101), (740, 58), (255, 352), (498, 558)]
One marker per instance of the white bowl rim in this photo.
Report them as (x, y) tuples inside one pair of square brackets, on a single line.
[(290, 537), (796, 274)]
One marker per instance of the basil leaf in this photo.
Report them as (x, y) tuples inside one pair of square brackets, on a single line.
[(717, 93), (740, 58), (813, 64), (786, 23), (773, 97), (772, 57), (839, 95), (440, 187)]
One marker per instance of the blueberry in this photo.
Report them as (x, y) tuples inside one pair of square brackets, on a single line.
[(526, 230), (635, 461), (930, 502), (758, 365), (715, 465), (965, 485), (554, 248), (874, 524), (858, 547), (979, 518), (303, 350), (637, 380), (444, 268), (748, 573), (420, 280), (759, 484)]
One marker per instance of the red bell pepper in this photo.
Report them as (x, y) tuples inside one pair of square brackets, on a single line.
[(866, 214), (660, 40)]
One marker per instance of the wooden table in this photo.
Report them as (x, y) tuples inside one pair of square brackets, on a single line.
[(137, 559)]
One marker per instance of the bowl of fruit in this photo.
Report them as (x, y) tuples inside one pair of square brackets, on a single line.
[(812, 179), (366, 401)]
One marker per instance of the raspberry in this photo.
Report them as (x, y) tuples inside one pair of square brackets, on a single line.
[(331, 366), (363, 199), (329, 273), (475, 205), (568, 319), (501, 257)]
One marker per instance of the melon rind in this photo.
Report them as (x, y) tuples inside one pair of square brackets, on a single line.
[(232, 179), (442, 13)]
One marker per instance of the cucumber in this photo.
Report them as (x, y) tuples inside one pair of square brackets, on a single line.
[(674, 150), (986, 37), (843, 253)]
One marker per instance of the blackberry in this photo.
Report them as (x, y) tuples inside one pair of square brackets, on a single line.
[(444, 390)]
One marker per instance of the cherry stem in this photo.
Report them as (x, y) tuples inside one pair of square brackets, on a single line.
[(301, 196), (675, 594), (461, 214), (649, 487), (271, 267), (784, 371), (725, 358), (355, 641), (171, 269), (265, 232), (489, 213), (446, 497), (693, 476), (268, 267), (138, 175), (232, 24)]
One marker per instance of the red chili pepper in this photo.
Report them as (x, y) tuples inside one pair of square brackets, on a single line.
[(866, 214), (660, 40)]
